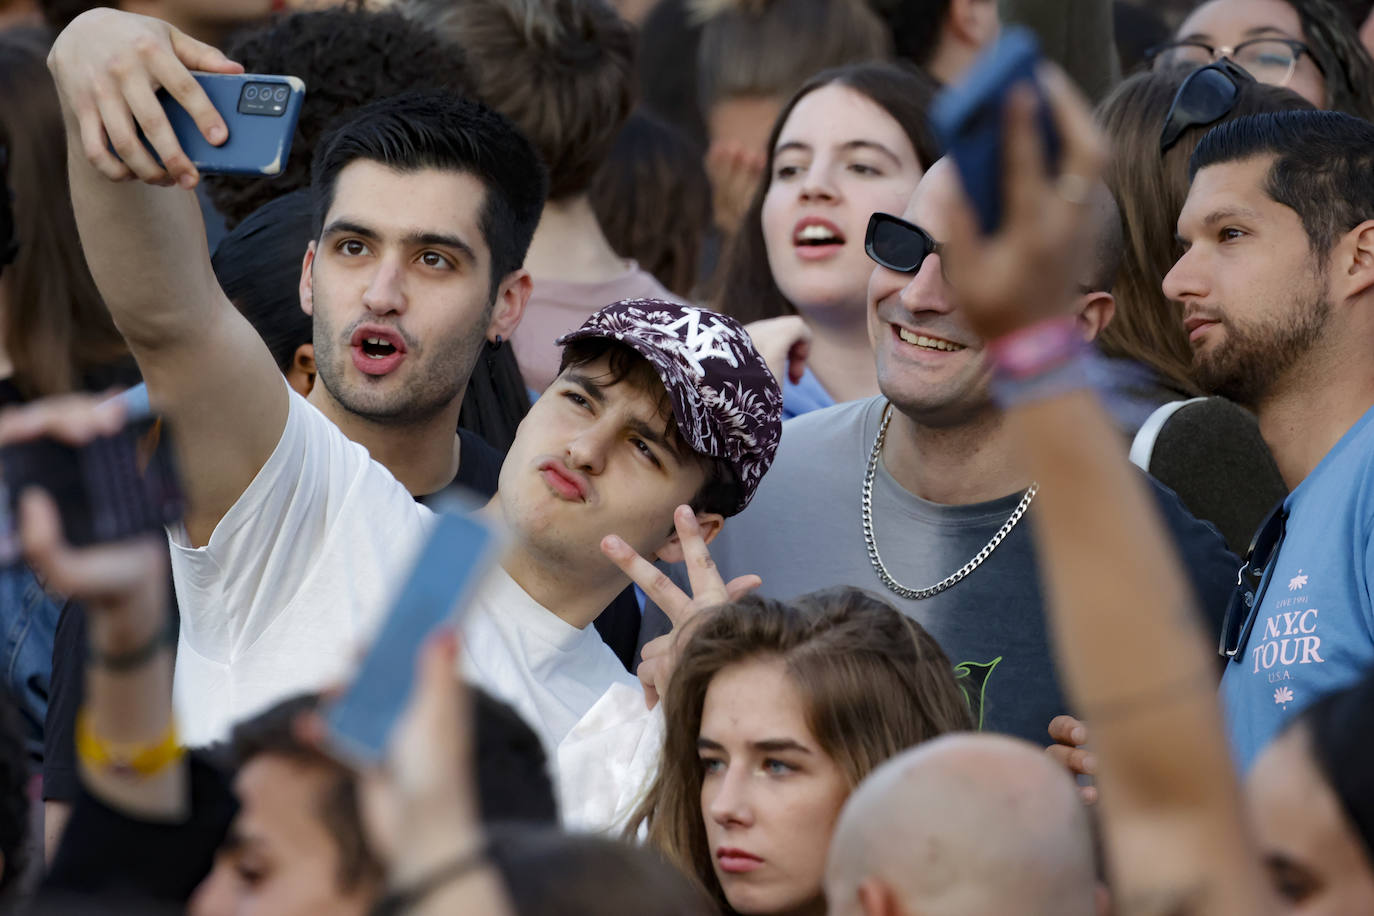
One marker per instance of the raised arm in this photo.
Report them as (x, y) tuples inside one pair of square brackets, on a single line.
[(127, 707), (206, 369), (1121, 610)]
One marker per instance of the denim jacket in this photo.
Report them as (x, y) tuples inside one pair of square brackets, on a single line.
[(29, 616)]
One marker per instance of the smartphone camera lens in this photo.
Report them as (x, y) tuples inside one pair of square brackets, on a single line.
[(264, 100)]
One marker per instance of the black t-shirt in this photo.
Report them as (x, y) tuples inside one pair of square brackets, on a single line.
[(479, 465), (9, 393), (108, 853)]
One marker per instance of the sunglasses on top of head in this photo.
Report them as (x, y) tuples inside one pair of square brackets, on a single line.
[(898, 245), (1206, 95)]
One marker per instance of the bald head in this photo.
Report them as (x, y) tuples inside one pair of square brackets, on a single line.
[(965, 824)]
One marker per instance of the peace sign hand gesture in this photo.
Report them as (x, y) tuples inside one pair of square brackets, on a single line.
[(708, 590)]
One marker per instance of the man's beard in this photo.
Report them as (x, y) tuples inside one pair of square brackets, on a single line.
[(1251, 359), (432, 386)]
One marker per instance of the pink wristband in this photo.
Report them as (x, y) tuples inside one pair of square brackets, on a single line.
[(1037, 348)]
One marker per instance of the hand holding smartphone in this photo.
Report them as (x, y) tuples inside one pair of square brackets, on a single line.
[(260, 112), (970, 120), (455, 559), (111, 488)]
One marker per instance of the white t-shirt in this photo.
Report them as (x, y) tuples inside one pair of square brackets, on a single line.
[(601, 741), (295, 579)]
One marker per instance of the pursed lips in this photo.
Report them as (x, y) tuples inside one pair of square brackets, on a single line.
[(568, 484)]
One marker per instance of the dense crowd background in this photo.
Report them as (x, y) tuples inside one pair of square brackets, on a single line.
[(855, 561)]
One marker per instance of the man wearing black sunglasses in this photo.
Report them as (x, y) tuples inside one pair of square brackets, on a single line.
[(918, 494), (1277, 289)]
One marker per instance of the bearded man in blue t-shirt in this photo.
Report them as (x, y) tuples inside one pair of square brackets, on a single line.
[(1277, 285)]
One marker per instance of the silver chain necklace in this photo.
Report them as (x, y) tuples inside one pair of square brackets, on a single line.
[(877, 561)]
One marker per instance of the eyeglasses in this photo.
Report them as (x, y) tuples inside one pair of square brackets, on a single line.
[(1251, 583), (894, 243), (1207, 95), (1269, 60)]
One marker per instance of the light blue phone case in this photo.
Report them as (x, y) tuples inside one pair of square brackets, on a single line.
[(459, 552), (258, 143)]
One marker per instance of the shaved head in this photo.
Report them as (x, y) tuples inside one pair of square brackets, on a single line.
[(966, 824), (1104, 234)]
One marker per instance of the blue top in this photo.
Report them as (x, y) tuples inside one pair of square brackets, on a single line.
[(1314, 632), (805, 396)]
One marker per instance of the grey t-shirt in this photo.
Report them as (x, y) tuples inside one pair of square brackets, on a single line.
[(804, 531)]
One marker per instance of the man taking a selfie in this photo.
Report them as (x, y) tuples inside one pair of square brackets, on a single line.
[(294, 539)]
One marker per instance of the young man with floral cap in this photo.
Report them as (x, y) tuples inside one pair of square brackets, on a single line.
[(658, 406)]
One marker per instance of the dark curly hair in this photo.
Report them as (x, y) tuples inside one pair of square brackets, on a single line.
[(348, 56)]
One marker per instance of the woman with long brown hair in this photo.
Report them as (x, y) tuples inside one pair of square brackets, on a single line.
[(1304, 45), (1150, 186), (1208, 451), (57, 335), (774, 713), (852, 141)]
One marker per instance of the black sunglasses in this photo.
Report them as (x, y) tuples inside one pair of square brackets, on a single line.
[(894, 243), (1207, 95), (1251, 583)]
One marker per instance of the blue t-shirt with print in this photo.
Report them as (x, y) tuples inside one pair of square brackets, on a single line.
[(1314, 632)]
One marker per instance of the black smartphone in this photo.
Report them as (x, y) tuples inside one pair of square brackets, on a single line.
[(113, 488), (970, 117)]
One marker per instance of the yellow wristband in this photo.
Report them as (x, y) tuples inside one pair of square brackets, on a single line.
[(138, 759)]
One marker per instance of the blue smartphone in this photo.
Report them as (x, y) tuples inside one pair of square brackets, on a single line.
[(261, 113), (970, 120), (459, 552)]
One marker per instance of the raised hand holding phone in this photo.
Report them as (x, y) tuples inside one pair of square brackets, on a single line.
[(126, 741), (260, 112), (970, 120), (1026, 270), (108, 66), (459, 552)]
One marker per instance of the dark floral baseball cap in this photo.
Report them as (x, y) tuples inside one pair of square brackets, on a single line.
[(727, 404)]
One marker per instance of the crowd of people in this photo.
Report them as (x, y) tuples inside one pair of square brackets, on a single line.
[(856, 557)]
